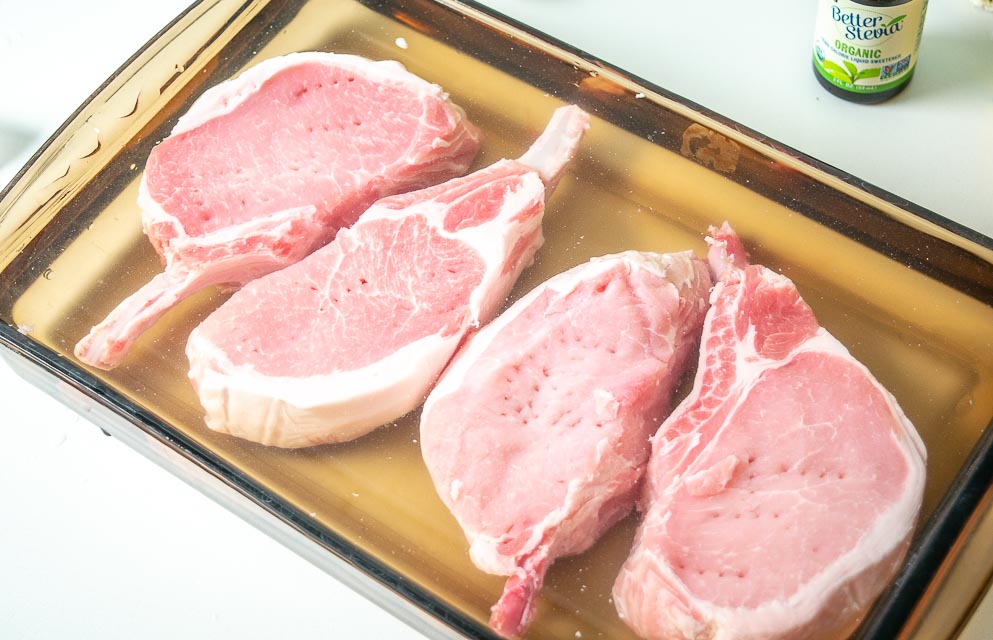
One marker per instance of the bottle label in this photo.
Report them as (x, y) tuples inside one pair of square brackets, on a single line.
[(864, 48)]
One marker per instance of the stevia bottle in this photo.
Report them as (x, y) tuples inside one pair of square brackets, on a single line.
[(866, 51)]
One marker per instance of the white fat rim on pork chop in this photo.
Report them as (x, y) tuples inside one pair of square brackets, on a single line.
[(301, 410)]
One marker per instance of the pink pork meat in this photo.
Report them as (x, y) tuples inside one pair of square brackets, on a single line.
[(356, 334), (265, 168), (538, 434), (783, 491)]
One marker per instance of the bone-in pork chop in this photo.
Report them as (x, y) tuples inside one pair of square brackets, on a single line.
[(783, 491), (265, 168), (538, 434)]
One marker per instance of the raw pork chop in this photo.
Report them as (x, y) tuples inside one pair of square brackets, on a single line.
[(782, 493), (265, 168), (537, 435), (355, 335)]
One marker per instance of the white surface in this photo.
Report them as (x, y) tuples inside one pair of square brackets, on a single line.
[(98, 542)]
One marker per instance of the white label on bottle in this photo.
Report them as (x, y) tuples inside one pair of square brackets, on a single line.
[(867, 49)]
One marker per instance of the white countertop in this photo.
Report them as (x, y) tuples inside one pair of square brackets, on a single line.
[(98, 542)]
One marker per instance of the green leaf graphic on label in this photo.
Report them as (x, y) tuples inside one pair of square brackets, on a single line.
[(867, 73), (852, 69), (895, 20), (837, 75), (837, 71)]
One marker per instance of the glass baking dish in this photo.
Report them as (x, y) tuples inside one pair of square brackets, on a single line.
[(909, 293)]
